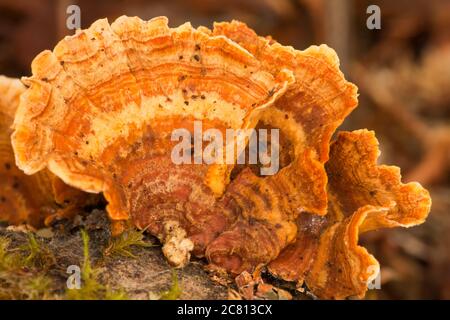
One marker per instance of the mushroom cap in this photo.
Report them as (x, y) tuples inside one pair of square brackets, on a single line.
[(308, 113), (362, 196), (102, 106), (24, 198), (307, 116)]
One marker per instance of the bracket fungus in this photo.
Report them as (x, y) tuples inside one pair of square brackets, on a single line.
[(101, 108), (23, 198)]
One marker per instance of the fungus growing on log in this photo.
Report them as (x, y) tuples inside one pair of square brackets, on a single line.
[(101, 110), (102, 106)]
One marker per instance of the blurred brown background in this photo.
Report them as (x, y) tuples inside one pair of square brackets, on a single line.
[(403, 75)]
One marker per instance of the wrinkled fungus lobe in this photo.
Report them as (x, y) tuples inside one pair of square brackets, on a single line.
[(100, 110), (27, 199)]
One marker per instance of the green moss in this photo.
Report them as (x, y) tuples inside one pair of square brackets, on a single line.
[(8, 260), (87, 273), (91, 288), (40, 287), (175, 290), (123, 244), (38, 254), (17, 281), (17, 285)]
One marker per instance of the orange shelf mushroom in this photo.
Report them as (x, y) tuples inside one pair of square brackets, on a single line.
[(362, 196), (23, 198), (307, 115), (102, 106), (100, 113)]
